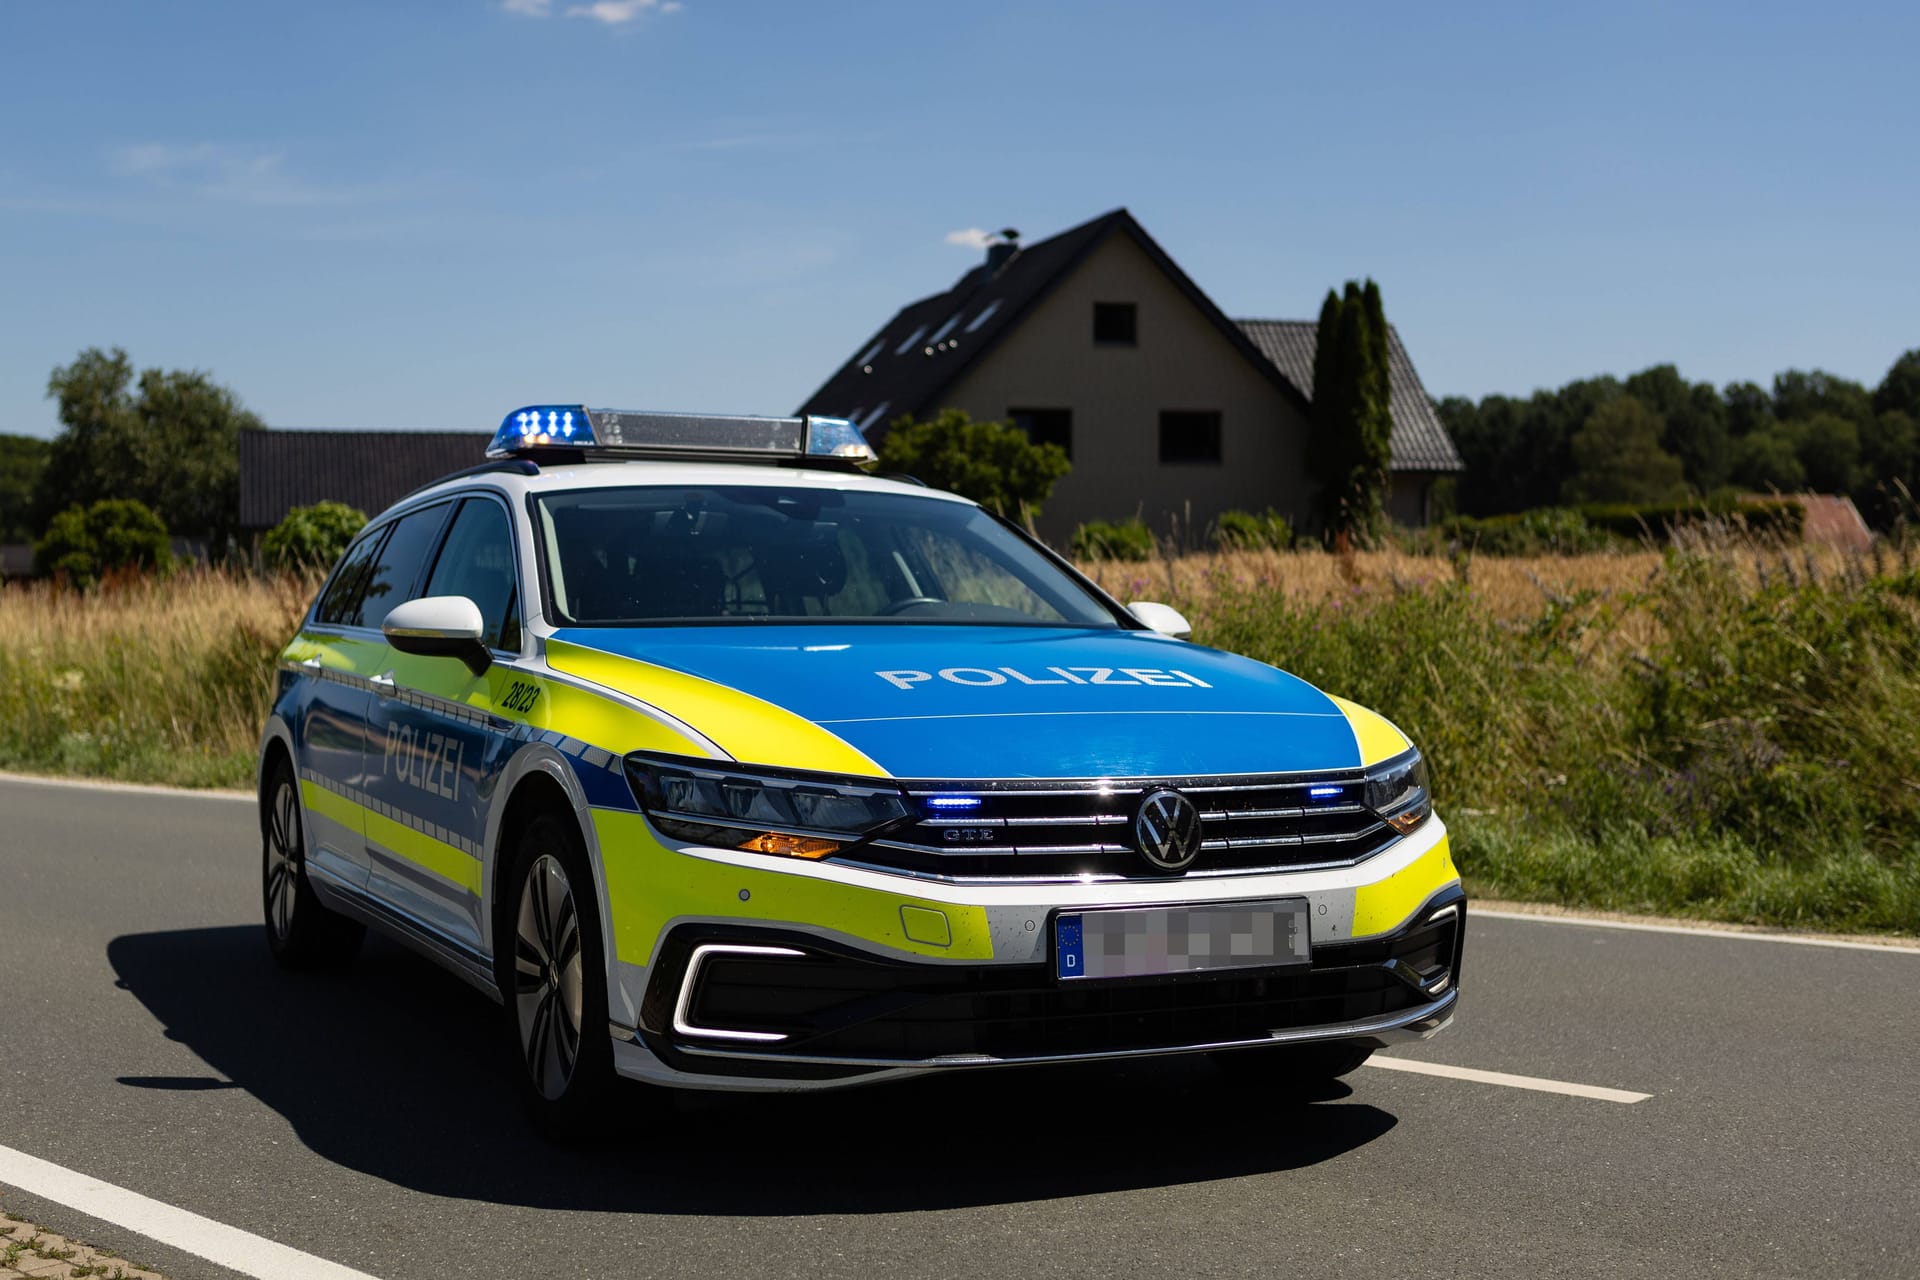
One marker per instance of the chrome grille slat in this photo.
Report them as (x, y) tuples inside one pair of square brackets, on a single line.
[(1045, 831)]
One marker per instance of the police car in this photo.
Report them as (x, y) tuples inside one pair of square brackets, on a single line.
[(721, 763)]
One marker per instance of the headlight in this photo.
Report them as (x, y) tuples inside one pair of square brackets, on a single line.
[(1397, 791), (797, 814)]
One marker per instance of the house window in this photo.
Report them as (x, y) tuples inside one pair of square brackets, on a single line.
[(1046, 426), (1188, 435), (1114, 325)]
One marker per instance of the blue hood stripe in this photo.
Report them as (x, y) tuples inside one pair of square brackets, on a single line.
[(1011, 702)]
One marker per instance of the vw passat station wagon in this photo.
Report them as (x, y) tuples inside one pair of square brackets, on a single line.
[(721, 763)]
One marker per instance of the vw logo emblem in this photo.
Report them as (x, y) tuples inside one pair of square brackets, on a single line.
[(1167, 830)]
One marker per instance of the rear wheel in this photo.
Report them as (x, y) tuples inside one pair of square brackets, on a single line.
[(300, 932), (1293, 1066), (551, 966)]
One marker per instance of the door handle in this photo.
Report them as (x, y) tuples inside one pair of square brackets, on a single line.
[(313, 663), (382, 684)]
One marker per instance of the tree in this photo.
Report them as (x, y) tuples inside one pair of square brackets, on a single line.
[(22, 459), (1829, 450), (86, 543), (1899, 391), (174, 446), (311, 537), (1766, 460), (1617, 457), (1351, 443), (1696, 423), (1799, 394), (992, 463)]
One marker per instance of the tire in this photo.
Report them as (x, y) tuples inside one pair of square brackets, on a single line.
[(1292, 1067), (301, 933), (550, 963)]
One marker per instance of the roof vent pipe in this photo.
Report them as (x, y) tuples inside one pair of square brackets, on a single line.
[(1001, 248)]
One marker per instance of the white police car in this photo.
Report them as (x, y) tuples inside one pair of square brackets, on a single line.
[(722, 764)]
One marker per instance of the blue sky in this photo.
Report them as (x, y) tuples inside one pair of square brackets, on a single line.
[(391, 213)]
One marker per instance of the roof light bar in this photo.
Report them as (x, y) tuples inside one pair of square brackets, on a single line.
[(607, 432)]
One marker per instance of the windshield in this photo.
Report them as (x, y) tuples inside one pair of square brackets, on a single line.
[(752, 553)]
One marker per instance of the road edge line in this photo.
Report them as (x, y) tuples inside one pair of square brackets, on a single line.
[(167, 1224), (1538, 1084), (127, 788), (1688, 931)]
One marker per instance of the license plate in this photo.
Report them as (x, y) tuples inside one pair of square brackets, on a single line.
[(1130, 942)]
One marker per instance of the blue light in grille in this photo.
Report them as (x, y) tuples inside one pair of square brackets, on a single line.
[(955, 802), (1324, 793)]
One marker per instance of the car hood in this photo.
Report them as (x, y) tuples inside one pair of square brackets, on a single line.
[(957, 702)]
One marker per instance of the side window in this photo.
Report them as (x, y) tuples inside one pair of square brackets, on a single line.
[(476, 561), (398, 566), (341, 603)]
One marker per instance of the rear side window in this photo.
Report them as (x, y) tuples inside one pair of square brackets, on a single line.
[(476, 561), (399, 564), (341, 603)]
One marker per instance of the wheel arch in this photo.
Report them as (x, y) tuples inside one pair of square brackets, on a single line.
[(537, 780)]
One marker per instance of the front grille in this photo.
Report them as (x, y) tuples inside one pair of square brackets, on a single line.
[(1048, 831)]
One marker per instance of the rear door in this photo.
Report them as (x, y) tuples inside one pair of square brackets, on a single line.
[(335, 655)]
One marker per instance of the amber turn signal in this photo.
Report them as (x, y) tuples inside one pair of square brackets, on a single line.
[(792, 846)]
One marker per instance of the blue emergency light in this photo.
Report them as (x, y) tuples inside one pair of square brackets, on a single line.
[(545, 428)]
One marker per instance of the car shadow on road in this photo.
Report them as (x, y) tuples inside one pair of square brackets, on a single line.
[(396, 1069)]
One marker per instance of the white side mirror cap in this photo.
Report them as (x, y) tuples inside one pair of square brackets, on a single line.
[(1162, 618), (441, 627)]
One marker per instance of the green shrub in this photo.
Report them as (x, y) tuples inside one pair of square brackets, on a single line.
[(1545, 531), (1116, 540), (112, 535), (1768, 518), (991, 462), (311, 537), (1244, 531)]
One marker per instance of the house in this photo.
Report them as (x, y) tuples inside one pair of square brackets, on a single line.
[(1097, 341), (367, 470)]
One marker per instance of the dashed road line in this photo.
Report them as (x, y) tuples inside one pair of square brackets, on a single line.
[(1421, 1068), (230, 1247)]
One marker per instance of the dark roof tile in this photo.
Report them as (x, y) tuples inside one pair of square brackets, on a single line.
[(368, 470), (1420, 441)]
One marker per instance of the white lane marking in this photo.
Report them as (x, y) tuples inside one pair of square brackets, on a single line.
[(1690, 931), (131, 788), (1567, 1087), (230, 1247)]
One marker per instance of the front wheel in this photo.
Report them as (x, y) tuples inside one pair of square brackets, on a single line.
[(301, 933), (551, 967)]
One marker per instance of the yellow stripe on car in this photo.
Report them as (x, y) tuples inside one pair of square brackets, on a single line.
[(745, 727), (649, 886), (1385, 904), (1377, 737)]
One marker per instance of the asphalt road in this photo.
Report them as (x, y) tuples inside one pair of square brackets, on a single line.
[(146, 1039)]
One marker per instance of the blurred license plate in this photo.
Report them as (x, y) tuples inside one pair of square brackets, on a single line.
[(1139, 942)]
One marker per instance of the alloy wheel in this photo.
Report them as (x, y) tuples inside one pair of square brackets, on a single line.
[(283, 860), (547, 976)]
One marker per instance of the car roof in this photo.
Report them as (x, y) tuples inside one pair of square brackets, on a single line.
[(615, 475)]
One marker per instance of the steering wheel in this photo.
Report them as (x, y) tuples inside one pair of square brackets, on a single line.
[(901, 606)]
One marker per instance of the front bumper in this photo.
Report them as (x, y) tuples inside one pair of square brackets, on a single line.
[(738, 971), (774, 1008)]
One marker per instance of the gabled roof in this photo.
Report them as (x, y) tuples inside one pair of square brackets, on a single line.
[(1420, 442), (367, 470), (904, 368)]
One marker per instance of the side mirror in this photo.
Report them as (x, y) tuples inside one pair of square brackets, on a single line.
[(440, 627), (1162, 618)]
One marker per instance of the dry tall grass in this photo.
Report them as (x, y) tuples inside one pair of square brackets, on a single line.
[(154, 679)]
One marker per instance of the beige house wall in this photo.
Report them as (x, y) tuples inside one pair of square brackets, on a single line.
[(1181, 362)]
